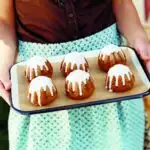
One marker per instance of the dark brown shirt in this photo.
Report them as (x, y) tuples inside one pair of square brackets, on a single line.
[(61, 20)]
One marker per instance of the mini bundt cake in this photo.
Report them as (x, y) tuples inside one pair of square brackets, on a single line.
[(38, 66), (73, 61), (110, 56), (119, 79), (79, 85), (42, 91)]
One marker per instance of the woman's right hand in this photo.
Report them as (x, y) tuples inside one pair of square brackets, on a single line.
[(7, 60), (5, 83), (8, 44)]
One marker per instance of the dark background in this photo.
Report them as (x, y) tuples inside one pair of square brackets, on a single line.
[(4, 110)]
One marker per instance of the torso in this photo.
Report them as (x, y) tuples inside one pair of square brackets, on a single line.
[(51, 21)]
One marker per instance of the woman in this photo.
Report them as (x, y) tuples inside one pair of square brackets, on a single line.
[(73, 25)]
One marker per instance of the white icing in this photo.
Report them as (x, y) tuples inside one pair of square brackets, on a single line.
[(74, 58), (116, 71), (79, 77), (108, 50), (38, 83), (34, 62)]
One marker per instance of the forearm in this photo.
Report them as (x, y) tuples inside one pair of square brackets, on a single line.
[(8, 43), (128, 21)]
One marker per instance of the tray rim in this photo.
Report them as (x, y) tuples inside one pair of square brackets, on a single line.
[(55, 59)]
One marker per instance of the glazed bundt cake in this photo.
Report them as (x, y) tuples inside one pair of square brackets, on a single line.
[(42, 91), (73, 61), (38, 66), (79, 85), (110, 56), (119, 79)]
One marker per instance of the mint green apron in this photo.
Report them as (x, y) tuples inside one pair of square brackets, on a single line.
[(115, 126)]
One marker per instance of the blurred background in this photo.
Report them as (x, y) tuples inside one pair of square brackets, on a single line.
[(143, 8)]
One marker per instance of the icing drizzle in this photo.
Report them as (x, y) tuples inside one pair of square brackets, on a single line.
[(116, 71), (108, 50), (38, 83), (79, 77), (74, 58), (34, 62)]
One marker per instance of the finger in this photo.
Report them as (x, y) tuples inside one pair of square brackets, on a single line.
[(144, 53), (148, 66), (7, 85), (142, 47), (4, 94), (5, 79), (146, 58)]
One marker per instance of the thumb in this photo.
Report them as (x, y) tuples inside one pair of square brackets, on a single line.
[(7, 85), (4, 94), (5, 79)]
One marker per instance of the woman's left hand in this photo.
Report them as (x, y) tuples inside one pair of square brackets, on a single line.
[(142, 46)]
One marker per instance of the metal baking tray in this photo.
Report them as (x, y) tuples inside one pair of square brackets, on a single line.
[(100, 96)]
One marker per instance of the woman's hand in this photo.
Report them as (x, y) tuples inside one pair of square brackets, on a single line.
[(5, 83), (8, 44), (142, 46), (130, 27), (7, 59)]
